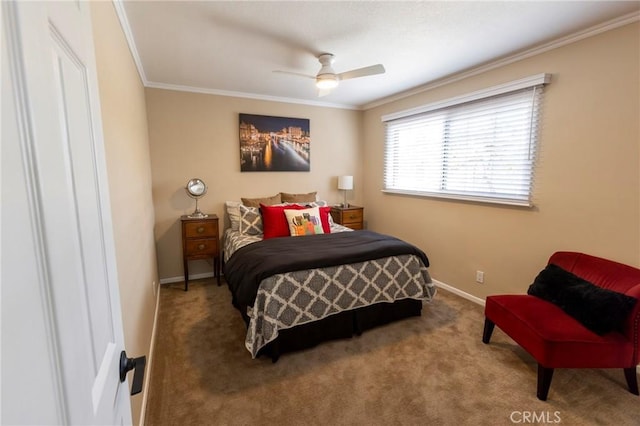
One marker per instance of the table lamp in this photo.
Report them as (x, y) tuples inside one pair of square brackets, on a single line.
[(345, 183)]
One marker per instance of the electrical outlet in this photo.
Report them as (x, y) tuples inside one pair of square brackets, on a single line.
[(479, 277)]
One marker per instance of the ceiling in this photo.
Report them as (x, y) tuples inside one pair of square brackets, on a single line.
[(234, 47)]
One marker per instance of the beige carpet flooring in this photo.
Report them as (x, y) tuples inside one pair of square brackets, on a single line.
[(429, 370)]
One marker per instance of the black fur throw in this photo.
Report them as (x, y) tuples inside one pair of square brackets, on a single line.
[(598, 309)]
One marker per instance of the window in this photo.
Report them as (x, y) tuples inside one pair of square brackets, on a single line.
[(477, 147)]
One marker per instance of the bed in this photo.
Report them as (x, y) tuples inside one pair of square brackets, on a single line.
[(296, 292)]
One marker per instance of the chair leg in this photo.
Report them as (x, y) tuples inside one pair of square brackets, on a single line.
[(488, 330), (545, 375), (632, 380)]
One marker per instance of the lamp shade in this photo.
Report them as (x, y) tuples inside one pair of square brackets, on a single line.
[(345, 182)]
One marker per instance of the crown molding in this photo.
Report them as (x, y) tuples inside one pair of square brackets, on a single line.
[(572, 38), (128, 34), (180, 88)]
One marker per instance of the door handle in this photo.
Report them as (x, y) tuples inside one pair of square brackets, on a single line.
[(128, 364)]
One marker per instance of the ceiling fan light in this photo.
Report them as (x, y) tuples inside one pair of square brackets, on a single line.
[(326, 82)]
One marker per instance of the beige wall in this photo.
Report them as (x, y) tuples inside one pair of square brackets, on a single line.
[(127, 150), (196, 135), (587, 184)]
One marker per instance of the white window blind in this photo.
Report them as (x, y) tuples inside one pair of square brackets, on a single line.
[(477, 147)]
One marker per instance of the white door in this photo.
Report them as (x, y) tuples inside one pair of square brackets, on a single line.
[(61, 321)]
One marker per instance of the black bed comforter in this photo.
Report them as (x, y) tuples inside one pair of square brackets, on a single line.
[(254, 262)]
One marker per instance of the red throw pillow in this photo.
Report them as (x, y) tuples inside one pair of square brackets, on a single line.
[(274, 222), (324, 219)]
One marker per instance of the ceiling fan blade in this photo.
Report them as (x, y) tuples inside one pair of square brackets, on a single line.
[(362, 72), (295, 73)]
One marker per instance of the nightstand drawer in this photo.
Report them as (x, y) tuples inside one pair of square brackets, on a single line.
[(201, 229), (205, 247), (352, 216)]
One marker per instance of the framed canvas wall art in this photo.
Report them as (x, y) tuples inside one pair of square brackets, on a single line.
[(274, 144)]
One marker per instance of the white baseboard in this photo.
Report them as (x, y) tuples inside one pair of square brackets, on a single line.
[(181, 278), (152, 345), (458, 292)]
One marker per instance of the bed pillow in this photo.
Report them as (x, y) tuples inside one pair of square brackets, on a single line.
[(274, 221), (324, 219), (325, 213), (268, 201), (325, 216), (598, 309), (250, 220), (304, 222), (233, 211), (317, 203), (298, 198)]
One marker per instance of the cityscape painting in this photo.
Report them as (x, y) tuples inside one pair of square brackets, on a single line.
[(274, 144)]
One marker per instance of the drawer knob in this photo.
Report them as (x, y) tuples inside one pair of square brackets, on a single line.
[(201, 246), (200, 229)]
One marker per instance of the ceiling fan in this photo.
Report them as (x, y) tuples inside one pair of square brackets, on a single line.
[(327, 79)]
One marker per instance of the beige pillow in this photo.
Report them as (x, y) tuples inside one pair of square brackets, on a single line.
[(298, 198), (267, 201)]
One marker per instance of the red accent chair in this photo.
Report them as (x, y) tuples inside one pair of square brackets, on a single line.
[(557, 340)]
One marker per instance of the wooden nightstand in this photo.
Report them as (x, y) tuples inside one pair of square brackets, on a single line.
[(351, 217), (200, 240)]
